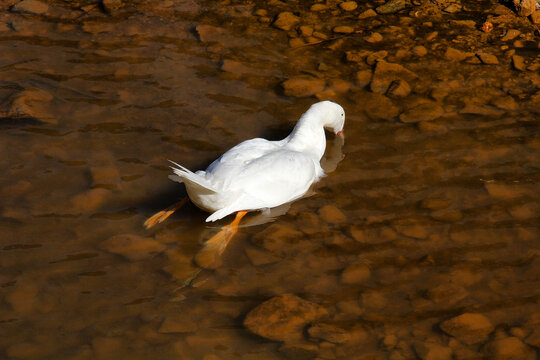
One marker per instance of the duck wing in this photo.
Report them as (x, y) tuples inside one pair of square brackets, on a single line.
[(276, 178), (224, 170)]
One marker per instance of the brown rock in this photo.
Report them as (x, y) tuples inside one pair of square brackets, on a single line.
[(432, 351), (90, 200), (452, 54), (535, 17), (343, 29), (348, 5), (132, 247), (468, 328), (518, 62), (374, 57), (283, 318), (111, 5), (260, 257), (398, 88), (419, 50), (503, 191), (331, 214), (318, 7), (467, 23), (533, 338), (355, 274), (30, 103), (208, 33), (363, 77), (374, 38), (424, 111), (306, 30), (234, 67), (452, 8), (507, 348), (23, 298), (487, 59), (391, 6), (303, 86), (385, 73), (367, 14), (373, 299), (435, 203), (296, 42), (377, 106), (328, 332), (511, 34), (525, 7), (30, 7), (277, 238), (505, 103), (447, 293), (286, 20), (410, 228), (356, 56)]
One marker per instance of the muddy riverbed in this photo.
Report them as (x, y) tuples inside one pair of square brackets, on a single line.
[(421, 243)]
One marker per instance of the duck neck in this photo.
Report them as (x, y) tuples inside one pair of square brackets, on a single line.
[(308, 136)]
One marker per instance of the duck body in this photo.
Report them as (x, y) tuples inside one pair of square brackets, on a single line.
[(258, 173)]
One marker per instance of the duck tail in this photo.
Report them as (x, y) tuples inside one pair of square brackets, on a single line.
[(191, 179)]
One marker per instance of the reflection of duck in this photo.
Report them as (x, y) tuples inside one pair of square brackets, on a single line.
[(260, 174)]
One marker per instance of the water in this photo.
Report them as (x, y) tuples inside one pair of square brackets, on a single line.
[(417, 224)]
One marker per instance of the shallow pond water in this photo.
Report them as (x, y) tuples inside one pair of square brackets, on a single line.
[(422, 241)]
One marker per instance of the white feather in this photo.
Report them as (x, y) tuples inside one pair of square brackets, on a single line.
[(258, 173)]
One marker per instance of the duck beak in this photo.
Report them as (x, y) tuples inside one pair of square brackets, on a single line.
[(339, 133)]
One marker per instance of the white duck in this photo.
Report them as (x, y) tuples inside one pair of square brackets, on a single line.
[(260, 174)]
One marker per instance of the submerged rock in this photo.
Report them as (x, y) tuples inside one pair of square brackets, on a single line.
[(367, 14), (533, 338), (398, 88), (507, 348), (348, 5), (110, 5), (424, 111), (286, 20), (378, 106), (331, 214), (433, 351), (488, 59), (355, 274), (468, 328), (31, 7), (29, 104), (90, 200), (132, 247), (518, 62), (343, 29), (391, 6), (385, 73), (452, 54), (283, 318), (328, 332), (525, 7), (303, 86)]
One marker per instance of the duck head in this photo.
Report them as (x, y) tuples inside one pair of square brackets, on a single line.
[(331, 114)]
